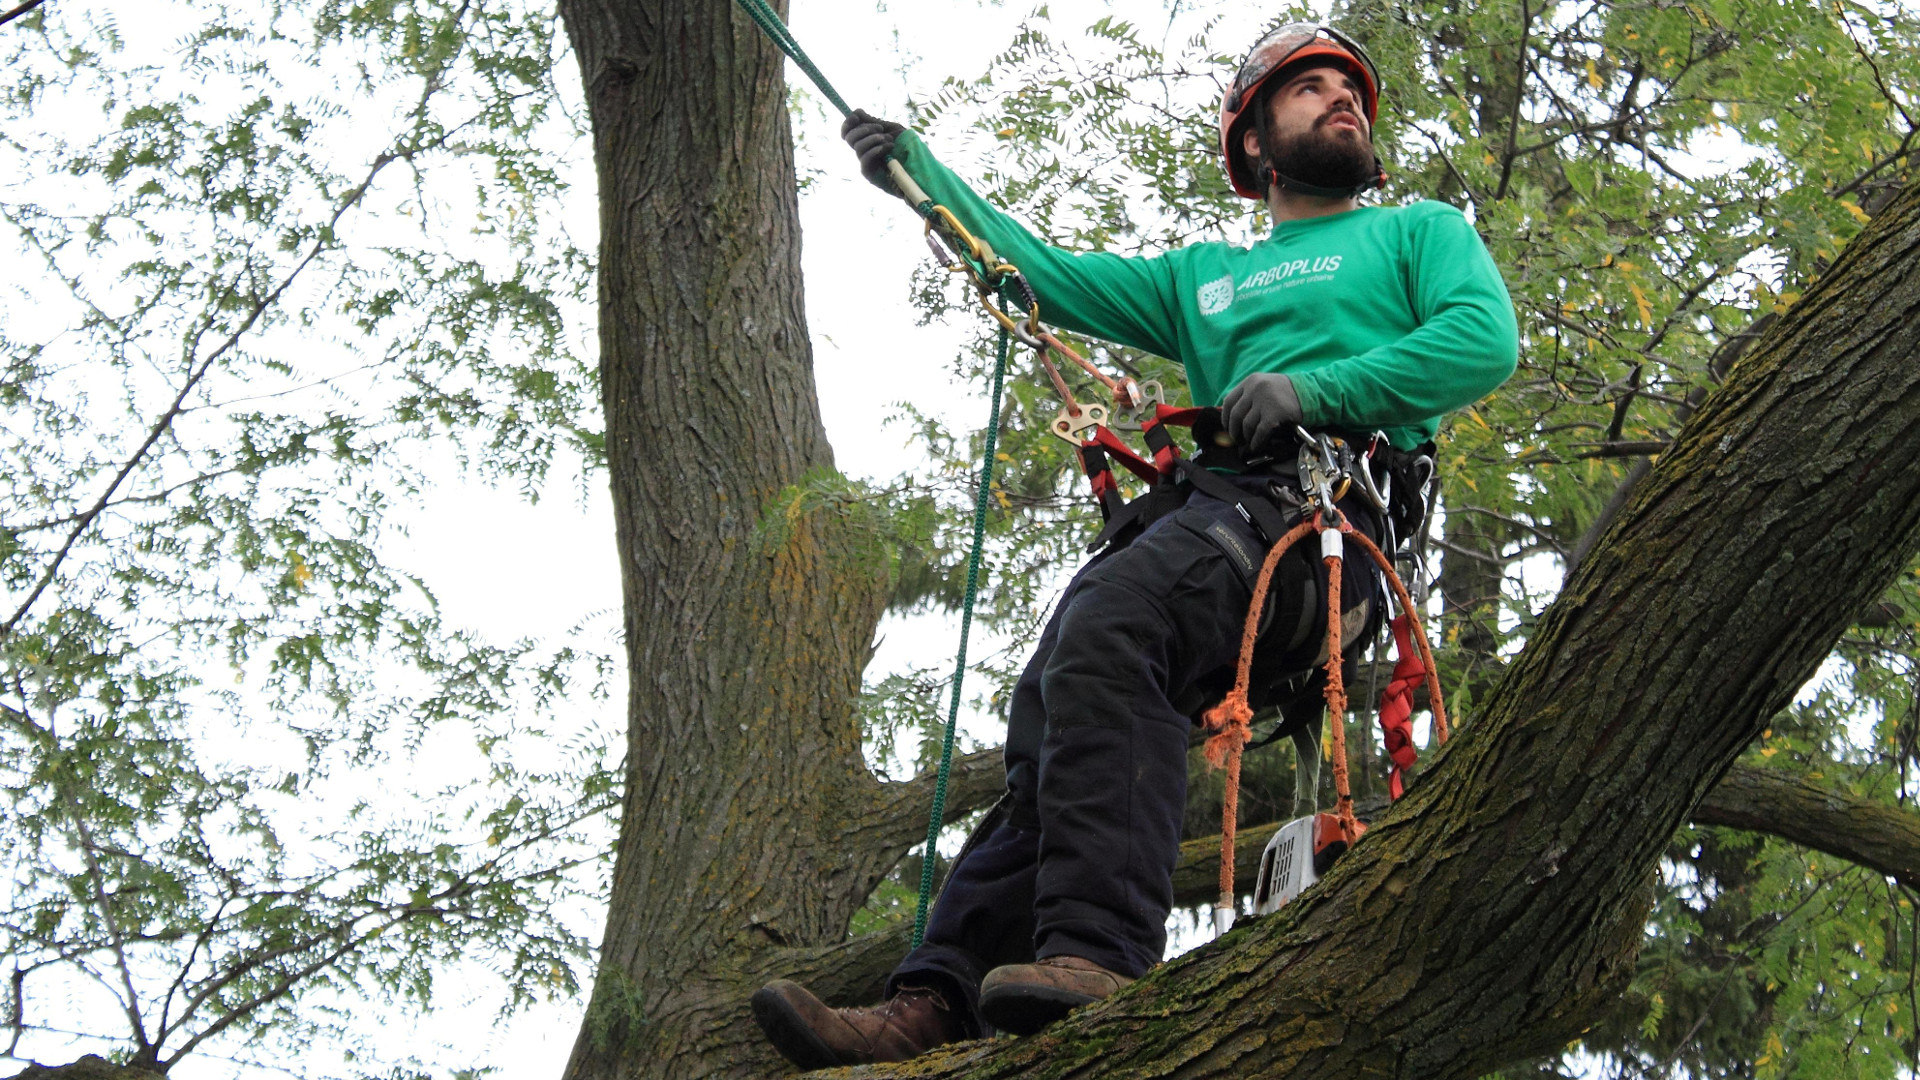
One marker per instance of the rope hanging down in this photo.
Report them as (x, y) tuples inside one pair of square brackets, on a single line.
[(966, 254), (988, 275), (960, 660)]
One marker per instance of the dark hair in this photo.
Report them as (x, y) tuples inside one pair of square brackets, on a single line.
[(1262, 123)]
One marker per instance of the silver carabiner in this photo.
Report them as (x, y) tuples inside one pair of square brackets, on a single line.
[(1369, 487)]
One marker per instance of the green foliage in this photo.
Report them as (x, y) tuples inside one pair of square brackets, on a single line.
[(237, 318)]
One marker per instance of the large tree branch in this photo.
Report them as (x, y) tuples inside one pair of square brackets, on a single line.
[(898, 818), (1882, 838), (852, 972)]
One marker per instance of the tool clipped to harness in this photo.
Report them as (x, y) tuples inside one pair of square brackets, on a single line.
[(1326, 467), (1300, 853)]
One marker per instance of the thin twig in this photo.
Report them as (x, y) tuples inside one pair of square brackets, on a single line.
[(19, 11)]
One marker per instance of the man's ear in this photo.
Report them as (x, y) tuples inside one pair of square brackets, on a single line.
[(1250, 142)]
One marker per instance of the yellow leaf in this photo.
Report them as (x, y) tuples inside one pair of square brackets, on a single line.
[(1005, 133), (1593, 76), (1475, 414), (301, 574), (1491, 160), (1769, 751), (1640, 301), (1854, 209), (1003, 456), (1733, 110), (1893, 1008)]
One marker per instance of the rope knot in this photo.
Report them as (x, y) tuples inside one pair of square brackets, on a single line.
[(1231, 721)]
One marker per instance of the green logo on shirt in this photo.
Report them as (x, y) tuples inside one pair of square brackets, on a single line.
[(1216, 296)]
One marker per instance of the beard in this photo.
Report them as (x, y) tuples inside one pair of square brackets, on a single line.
[(1324, 157)]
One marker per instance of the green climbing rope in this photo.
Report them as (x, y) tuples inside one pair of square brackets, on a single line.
[(769, 20), (966, 625)]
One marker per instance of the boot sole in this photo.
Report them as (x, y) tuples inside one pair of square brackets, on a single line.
[(788, 1033), (1024, 1010)]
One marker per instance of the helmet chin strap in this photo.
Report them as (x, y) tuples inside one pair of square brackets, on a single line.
[(1276, 178)]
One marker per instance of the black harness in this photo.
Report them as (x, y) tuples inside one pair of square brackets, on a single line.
[(1397, 489)]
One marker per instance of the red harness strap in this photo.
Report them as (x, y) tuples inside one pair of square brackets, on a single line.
[(1106, 490), (1396, 704), (1121, 452)]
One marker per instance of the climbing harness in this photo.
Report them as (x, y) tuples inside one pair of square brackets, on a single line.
[(1327, 470)]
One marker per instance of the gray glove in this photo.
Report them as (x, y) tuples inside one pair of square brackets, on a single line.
[(1262, 406), (872, 139)]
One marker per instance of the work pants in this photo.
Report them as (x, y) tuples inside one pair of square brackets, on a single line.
[(1142, 641)]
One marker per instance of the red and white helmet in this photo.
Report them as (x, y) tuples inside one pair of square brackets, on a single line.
[(1283, 47)]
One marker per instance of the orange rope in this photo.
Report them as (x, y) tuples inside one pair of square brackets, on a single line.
[(1232, 719), (1337, 700), (1112, 384), (1059, 384)]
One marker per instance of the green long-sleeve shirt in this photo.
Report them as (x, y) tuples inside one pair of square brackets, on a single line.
[(1386, 317)]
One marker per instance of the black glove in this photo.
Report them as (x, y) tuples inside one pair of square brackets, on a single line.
[(872, 139), (1262, 406)]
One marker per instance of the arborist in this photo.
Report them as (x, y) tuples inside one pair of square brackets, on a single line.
[(1367, 321)]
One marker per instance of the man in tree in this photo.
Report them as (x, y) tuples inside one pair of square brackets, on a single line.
[(1345, 319)]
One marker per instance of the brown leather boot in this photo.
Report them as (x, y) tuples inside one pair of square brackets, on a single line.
[(814, 1035), (1023, 998)]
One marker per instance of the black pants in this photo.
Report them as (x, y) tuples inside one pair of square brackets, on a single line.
[(1141, 642)]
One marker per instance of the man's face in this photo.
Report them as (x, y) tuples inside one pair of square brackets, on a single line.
[(1320, 133)]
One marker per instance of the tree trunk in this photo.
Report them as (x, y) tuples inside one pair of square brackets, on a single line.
[(751, 828), (1501, 903)]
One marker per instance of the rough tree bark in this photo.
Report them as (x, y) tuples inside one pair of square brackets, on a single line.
[(751, 828), (1500, 904)]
